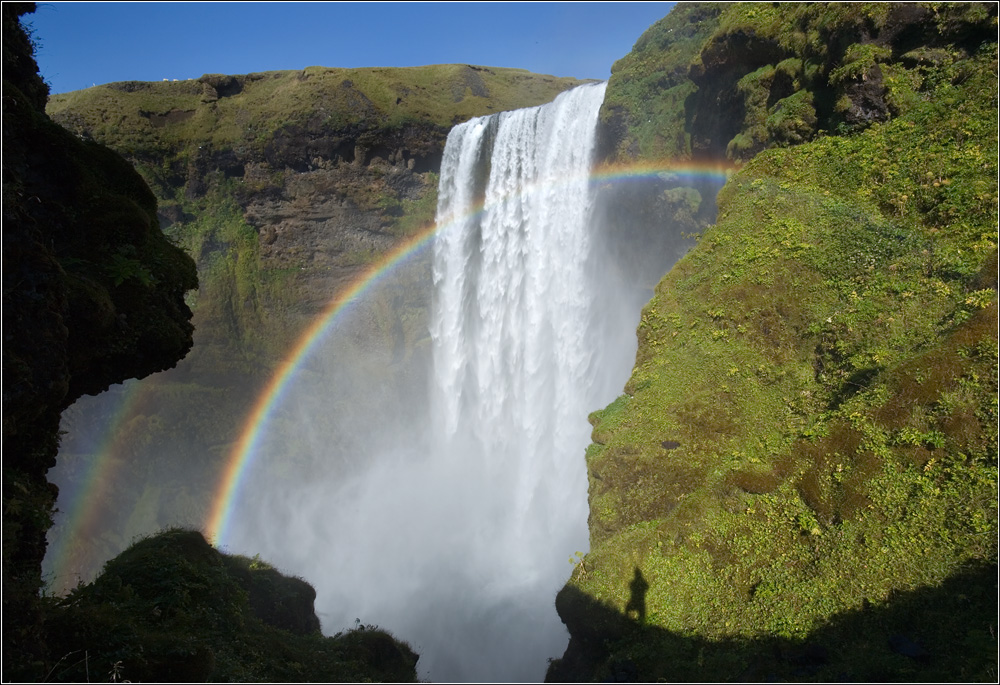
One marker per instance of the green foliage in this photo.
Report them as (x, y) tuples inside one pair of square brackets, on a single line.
[(735, 79), (859, 59), (639, 123), (810, 427), (122, 268), (166, 120)]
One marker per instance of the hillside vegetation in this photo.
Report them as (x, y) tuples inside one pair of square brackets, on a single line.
[(285, 185), (800, 481), (252, 113), (254, 166)]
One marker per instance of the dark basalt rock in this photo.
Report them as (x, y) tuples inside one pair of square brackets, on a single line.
[(93, 294), (868, 99)]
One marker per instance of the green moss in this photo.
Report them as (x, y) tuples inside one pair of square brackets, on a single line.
[(637, 122), (810, 426)]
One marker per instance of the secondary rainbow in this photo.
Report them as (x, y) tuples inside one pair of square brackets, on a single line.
[(82, 501), (241, 456)]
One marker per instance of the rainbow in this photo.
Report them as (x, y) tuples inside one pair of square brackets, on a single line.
[(81, 502), (678, 172), (241, 456)]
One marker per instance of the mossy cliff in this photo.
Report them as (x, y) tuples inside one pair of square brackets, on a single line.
[(800, 481), (724, 81), (93, 294)]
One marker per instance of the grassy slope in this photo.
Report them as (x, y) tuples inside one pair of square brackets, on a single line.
[(210, 146), (133, 115), (810, 428)]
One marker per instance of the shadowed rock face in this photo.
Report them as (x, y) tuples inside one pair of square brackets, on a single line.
[(172, 608), (93, 294)]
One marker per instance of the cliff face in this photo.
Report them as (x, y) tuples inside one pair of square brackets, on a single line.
[(319, 172), (93, 294), (285, 187), (800, 481)]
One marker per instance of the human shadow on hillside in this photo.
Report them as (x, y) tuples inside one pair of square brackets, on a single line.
[(637, 597), (934, 634)]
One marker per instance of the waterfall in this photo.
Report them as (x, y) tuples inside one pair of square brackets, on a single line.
[(513, 377), (464, 500), (439, 493), (511, 314)]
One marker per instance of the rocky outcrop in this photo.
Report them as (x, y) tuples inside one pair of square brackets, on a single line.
[(171, 608), (93, 294)]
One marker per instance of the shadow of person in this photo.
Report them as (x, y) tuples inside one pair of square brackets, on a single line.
[(637, 598)]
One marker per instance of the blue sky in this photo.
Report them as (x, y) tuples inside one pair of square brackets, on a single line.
[(83, 43)]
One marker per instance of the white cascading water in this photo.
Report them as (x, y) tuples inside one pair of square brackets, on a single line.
[(458, 539), (512, 358)]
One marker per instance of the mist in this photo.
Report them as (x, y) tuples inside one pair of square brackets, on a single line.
[(434, 484)]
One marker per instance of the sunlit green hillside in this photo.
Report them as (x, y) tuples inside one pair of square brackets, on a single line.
[(800, 481)]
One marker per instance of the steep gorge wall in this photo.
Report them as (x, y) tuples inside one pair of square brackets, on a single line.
[(800, 481)]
